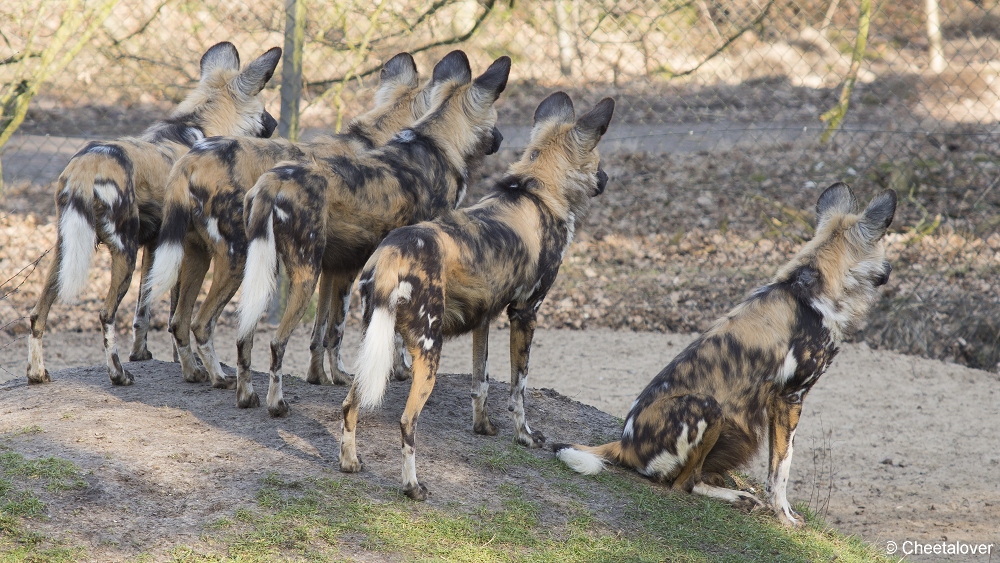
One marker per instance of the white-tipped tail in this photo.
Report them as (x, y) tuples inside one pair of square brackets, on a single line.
[(77, 244), (375, 358), (580, 461), (258, 280), (166, 268)]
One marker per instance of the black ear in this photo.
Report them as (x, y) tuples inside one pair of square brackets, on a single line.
[(494, 80), (878, 216), (255, 76), (454, 66), (838, 198), (557, 106), (594, 124), (219, 56), (401, 69), (805, 280)]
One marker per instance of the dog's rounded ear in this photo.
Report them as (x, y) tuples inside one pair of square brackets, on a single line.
[(837, 199), (400, 69), (454, 66), (494, 80), (219, 56), (255, 76), (877, 216), (558, 106), (594, 124), (806, 280)]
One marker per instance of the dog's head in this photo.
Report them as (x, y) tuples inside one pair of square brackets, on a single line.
[(561, 162), (399, 101), (461, 117), (227, 101), (840, 269)]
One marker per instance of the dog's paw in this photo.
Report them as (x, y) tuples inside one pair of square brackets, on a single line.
[(789, 517), (748, 503), (418, 492)]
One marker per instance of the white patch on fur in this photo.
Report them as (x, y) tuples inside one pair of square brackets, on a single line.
[(580, 461), (102, 149), (409, 467), (375, 358), (461, 193), (834, 320), (402, 292), (778, 483), (627, 433), (721, 493), (166, 268), (36, 361), (258, 281), (110, 346), (420, 243), (405, 136), (787, 370), (667, 463), (212, 226), (113, 238), (427, 343), (77, 244), (281, 214), (570, 231), (107, 192)]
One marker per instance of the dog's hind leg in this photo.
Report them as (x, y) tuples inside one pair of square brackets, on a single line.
[(784, 418), (39, 314), (302, 286), (122, 265), (481, 423), (522, 330), (425, 364), (194, 266), (140, 323), (226, 280), (317, 374)]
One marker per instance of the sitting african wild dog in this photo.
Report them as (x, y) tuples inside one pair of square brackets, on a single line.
[(203, 218), (455, 274), (329, 216), (111, 193), (706, 412)]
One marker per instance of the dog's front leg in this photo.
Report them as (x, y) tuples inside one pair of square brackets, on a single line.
[(481, 423), (784, 418), (522, 330)]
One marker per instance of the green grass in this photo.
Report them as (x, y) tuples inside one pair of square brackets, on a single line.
[(331, 518), (17, 504)]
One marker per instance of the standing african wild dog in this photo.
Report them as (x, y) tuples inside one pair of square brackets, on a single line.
[(111, 193), (455, 274), (706, 412), (203, 217), (329, 216)]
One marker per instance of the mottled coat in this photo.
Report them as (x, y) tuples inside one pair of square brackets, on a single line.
[(457, 273), (706, 413), (111, 193), (203, 215), (327, 217)]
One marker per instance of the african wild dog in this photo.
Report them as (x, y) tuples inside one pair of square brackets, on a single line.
[(706, 412), (111, 193), (203, 218), (330, 215), (455, 274)]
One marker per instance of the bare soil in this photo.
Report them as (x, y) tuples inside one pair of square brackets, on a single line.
[(890, 447)]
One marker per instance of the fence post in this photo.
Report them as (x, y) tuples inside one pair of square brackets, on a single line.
[(288, 122)]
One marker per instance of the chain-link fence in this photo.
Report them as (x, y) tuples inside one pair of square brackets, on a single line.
[(716, 151)]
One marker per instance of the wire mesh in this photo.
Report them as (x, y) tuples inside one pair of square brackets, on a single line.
[(715, 151)]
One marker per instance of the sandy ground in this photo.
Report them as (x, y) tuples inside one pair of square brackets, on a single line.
[(890, 447)]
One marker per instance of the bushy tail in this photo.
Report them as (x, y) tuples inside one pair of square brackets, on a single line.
[(77, 236), (170, 248), (588, 460), (260, 274), (381, 291)]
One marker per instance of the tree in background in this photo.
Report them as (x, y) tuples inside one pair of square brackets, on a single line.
[(43, 54)]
